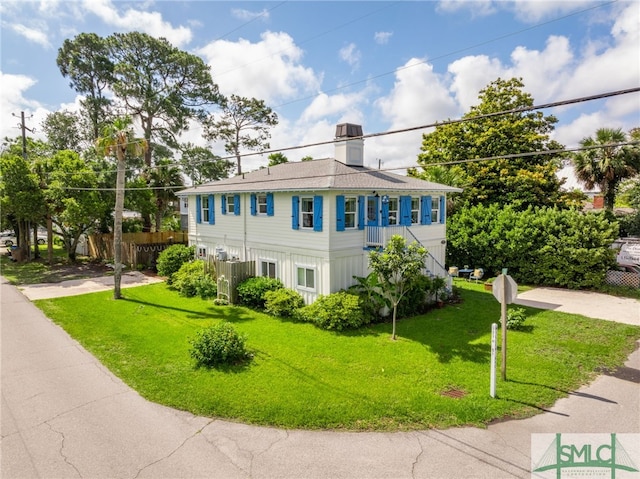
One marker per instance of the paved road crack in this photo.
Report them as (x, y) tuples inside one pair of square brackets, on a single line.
[(61, 450)]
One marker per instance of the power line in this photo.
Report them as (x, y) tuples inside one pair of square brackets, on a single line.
[(262, 181)]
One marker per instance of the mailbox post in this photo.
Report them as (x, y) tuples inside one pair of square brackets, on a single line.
[(505, 290)]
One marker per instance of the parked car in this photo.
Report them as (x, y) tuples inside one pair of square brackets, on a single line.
[(8, 238)]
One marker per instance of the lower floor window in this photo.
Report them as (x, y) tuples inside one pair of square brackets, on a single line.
[(268, 269), (306, 277), (202, 252)]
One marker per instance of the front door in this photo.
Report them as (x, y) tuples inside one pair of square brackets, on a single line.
[(373, 211)]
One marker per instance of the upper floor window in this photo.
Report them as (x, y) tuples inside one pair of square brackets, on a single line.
[(204, 208), (435, 209), (415, 210), (393, 211), (262, 204), (231, 203), (350, 210), (306, 212)]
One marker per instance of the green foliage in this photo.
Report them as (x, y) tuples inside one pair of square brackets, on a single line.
[(516, 318), (543, 246), (336, 311), (251, 291), (277, 159), (192, 280), (629, 224), (283, 302), (218, 345), (372, 298), (524, 181), (171, 260)]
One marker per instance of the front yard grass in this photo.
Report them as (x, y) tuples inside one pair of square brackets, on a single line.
[(304, 377)]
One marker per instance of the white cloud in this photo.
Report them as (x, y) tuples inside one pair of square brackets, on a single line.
[(478, 8), (324, 105), (13, 101), (382, 38), (351, 55), (537, 10), (137, 20), (269, 70), (32, 34), (470, 75), (248, 15)]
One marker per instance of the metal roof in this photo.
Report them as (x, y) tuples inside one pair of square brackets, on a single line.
[(327, 174)]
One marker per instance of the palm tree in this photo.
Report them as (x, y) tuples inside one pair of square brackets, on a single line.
[(606, 163), (117, 138), (165, 176)]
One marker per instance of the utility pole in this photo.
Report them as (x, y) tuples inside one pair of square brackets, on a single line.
[(23, 237)]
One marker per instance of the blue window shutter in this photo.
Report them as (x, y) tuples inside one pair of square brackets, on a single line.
[(340, 213), (198, 209), (269, 204), (317, 213), (425, 210), (295, 212), (254, 204), (443, 208), (224, 204), (236, 205), (385, 213), (405, 210), (212, 218), (361, 209)]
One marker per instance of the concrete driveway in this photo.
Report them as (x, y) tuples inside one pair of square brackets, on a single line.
[(63, 415)]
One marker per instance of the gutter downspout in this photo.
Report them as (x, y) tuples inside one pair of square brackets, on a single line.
[(244, 222)]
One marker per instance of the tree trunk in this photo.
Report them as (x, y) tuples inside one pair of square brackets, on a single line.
[(49, 240), (395, 309), (117, 227), (36, 247)]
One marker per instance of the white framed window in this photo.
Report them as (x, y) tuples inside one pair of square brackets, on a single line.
[(415, 210), (201, 252), (261, 204), (231, 206), (393, 211), (306, 277), (268, 268), (350, 212), (435, 209), (204, 208), (306, 212)]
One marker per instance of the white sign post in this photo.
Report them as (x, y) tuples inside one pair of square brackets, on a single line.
[(494, 349), (505, 290)]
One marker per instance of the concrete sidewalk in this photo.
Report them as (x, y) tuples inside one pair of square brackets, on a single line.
[(64, 415)]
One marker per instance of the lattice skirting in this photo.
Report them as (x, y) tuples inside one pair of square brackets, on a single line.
[(622, 278)]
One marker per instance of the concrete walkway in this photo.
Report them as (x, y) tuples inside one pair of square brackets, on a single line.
[(63, 415)]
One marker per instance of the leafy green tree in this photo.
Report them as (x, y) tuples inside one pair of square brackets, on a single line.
[(397, 266), (244, 124), (607, 163), (118, 139), (20, 195), (277, 159), (201, 165), (519, 180), (307, 158), (70, 191), (87, 62), (165, 178), (64, 131)]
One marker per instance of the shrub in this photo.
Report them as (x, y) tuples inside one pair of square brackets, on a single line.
[(171, 259), (283, 302), (516, 318), (218, 345), (251, 291), (191, 280), (337, 311)]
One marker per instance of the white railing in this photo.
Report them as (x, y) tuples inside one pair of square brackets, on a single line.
[(379, 236)]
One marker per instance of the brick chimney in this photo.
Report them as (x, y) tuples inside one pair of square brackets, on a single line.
[(349, 144)]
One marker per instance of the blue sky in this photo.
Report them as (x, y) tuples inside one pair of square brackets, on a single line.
[(384, 65)]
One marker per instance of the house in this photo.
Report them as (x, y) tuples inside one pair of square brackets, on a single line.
[(312, 224)]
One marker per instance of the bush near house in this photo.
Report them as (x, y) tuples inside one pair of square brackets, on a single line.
[(171, 259), (336, 311), (283, 302), (251, 291), (192, 280), (542, 246)]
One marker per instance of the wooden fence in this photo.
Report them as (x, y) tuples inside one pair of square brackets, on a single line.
[(229, 275), (137, 248)]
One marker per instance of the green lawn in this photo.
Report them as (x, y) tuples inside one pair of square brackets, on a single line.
[(303, 377)]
